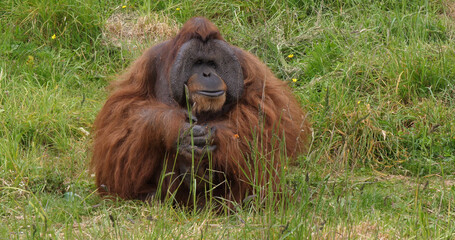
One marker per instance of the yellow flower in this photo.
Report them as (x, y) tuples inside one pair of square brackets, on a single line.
[(30, 60), (236, 136), (294, 80), (178, 9), (358, 102), (290, 55), (54, 37), (124, 6)]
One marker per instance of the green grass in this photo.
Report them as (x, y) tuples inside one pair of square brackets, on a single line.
[(376, 77)]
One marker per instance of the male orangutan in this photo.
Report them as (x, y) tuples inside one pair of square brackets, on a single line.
[(195, 115)]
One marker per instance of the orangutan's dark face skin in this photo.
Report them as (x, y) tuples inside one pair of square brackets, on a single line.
[(211, 72)]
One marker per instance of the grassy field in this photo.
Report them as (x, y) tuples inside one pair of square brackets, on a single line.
[(376, 77)]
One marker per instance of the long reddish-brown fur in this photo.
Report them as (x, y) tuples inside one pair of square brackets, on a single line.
[(135, 131)]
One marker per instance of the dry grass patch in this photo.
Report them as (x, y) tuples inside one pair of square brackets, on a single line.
[(362, 230), (450, 8), (130, 29)]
